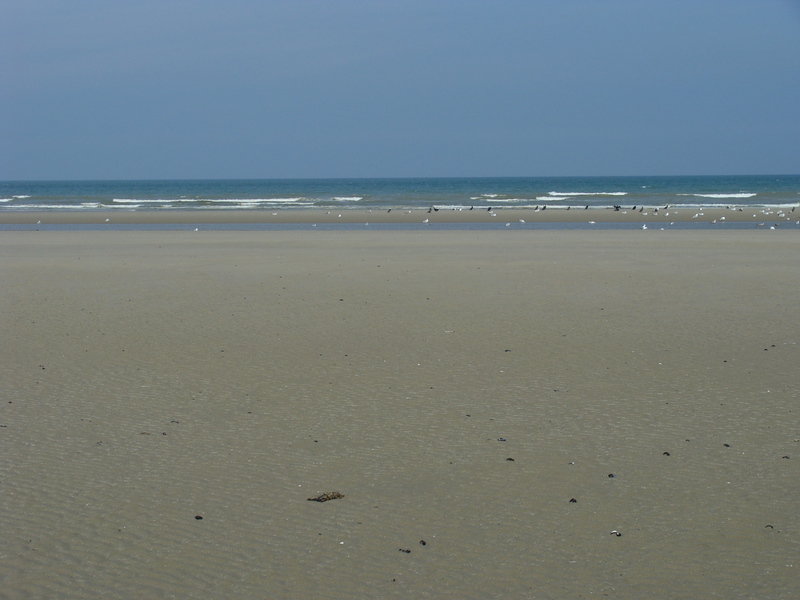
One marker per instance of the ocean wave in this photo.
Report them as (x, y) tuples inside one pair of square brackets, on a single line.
[(551, 198), (6, 199), (718, 196), (588, 193), (348, 198), (502, 200)]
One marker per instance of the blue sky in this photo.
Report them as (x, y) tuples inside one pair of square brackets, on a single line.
[(92, 89)]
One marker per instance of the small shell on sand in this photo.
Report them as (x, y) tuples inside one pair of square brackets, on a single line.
[(327, 496)]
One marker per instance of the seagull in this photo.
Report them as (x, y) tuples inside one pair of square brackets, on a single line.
[(425, 221)]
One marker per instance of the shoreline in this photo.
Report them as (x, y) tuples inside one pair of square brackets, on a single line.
[(647, 216)]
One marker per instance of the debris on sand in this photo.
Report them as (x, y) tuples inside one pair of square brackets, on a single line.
[(327, 496)]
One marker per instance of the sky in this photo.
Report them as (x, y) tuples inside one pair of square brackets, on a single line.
[(174, 89)]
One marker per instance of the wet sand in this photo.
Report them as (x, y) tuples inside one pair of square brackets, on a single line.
[(650, 216), (150, 378)]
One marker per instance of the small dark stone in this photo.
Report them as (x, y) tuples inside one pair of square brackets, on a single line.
[(423, 543), (611, 475), (501, 439), (727, 445), (512, 460), (572, 500), (784, 457), (770, 526), (666, 454), (198, 517), (407, 551)]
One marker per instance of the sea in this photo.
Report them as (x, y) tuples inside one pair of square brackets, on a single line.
[(778, 191)]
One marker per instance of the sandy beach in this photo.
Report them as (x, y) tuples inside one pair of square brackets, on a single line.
[(516, 414)]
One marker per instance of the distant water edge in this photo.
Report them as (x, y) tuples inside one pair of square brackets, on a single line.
[(387, 193)]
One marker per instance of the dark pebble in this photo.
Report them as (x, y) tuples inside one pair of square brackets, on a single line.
[(405, 550), (573, 500), (666, 454), (512, 460), (727, 445), (501, 439), (785, 457), (423, 543), (198, 517), (611, 475)]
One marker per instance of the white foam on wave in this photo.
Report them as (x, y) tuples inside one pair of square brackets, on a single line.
[(718, 196), (588, 193), (244, 206), (454, 207), (210, 200), (22, 196), (85, 206), (348, 198), (551, 198), (6, 199), (157, 201)]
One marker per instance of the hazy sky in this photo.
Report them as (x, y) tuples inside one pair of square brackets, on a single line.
[(95, 89)]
